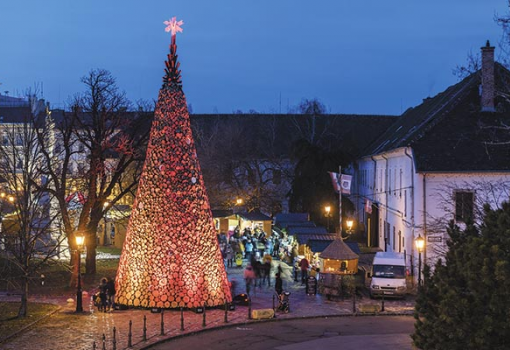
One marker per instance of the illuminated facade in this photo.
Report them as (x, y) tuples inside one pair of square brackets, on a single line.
[(171, 257)]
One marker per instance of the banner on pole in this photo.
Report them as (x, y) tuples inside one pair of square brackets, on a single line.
[(341, 182), (335, 181), (345, 183), (368, 206)]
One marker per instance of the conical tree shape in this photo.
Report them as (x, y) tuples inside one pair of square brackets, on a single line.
[(171, 257)]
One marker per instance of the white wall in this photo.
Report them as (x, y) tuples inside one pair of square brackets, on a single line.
[(414, 204)]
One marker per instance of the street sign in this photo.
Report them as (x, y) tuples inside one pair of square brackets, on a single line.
[(434, 239)]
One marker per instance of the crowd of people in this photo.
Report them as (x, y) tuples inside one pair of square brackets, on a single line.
[(265, 257)]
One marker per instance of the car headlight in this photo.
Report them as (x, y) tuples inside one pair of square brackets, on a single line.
[(375, 287), (401, 288)]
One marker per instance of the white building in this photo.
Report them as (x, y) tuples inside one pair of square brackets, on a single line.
[(440, 161)]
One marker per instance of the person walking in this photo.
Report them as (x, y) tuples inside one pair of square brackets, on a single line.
[(304, 265), (278, 284), (248, 249), (103, 294), (229, 255), (249, 277), (295, 268), (110, 285)]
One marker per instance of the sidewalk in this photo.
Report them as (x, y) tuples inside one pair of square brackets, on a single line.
[(66, 330)]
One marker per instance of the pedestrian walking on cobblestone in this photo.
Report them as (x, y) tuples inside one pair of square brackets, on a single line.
[(278, 284), (110, 285), (103, 294), (304, 265), (249, 277)]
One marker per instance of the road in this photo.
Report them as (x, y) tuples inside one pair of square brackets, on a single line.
[(341, 333)]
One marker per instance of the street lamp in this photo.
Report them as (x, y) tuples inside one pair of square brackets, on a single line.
[(420, 244), (327, 209), (350, 224), (80, 239), (105, 209), (239, 201)]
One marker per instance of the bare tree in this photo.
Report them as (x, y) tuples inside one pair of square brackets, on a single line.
[(238, 161), (29, 234), (308, 128), (99, 149)]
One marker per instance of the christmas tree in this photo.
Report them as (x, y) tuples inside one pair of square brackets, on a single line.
[(171, 257)]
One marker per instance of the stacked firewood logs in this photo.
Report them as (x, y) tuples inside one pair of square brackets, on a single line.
[(171, 257)]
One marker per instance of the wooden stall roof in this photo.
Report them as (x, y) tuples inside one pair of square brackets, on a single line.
[(338, 250)]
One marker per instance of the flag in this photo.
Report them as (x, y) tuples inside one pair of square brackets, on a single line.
[(335, 181), (368, 206), (341, 182), (345, 183)]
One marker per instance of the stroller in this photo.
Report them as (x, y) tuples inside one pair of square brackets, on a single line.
[(284, 302)]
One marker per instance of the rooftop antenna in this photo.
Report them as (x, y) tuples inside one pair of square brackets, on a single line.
[(280, 102)]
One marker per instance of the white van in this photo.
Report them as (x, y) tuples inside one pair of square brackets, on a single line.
[(388, 275)]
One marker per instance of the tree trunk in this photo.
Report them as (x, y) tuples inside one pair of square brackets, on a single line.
[(22, 312), (90, 263)]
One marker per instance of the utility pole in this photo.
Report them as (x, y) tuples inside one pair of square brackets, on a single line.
[(340, 200)]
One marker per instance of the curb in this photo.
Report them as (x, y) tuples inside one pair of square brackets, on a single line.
[(10, 336), (149, 344)]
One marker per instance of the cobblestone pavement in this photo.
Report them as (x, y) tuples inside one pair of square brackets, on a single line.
[(67, 330)]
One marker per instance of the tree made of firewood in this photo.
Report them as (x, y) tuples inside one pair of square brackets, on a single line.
[(171, 257)]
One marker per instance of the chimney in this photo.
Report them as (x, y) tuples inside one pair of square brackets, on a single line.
[(488, 90)]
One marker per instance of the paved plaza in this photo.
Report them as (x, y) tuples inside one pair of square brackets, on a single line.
[(66, 330)]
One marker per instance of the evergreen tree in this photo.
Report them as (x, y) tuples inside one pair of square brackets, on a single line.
[(464, 303)]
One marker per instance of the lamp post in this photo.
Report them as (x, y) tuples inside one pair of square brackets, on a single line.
[(2, 240), (80, 239), (237, 204), (420, 244), (327, 209), (350, 224), (105, 210)]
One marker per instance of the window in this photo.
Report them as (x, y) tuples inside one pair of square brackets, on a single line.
[(464, 201), (389, 181), (405, 203), (400, 187), (394, 239), (395, 181)]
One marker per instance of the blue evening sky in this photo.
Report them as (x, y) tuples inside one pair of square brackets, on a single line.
[(356, 56)]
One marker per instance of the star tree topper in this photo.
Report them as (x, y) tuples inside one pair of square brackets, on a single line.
[(173, 26)]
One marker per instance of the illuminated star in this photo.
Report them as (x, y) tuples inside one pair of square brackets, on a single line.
[(173, 26)]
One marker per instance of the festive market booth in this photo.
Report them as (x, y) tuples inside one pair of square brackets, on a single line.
[(297, 231), (255, 221), (313, 244), (225, 221), (339, 259), (336, 262)]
